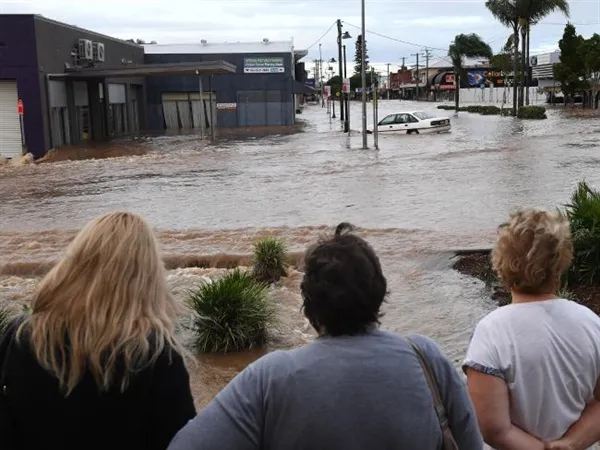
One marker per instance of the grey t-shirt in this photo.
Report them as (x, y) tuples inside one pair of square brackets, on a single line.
[(364, 392)]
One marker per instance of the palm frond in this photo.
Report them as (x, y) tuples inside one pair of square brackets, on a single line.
[(583, 212), (505, 11)]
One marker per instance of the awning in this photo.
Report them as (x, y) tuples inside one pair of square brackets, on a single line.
[(300, 88), (137, 70)]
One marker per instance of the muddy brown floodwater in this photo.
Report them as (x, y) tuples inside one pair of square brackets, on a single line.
[(416, 198)]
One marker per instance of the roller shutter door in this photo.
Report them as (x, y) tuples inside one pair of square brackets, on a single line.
[(10, 126)]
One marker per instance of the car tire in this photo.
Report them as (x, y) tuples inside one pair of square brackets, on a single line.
[(413, 132)]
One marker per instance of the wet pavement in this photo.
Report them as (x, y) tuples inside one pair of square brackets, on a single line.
[(416, 197)]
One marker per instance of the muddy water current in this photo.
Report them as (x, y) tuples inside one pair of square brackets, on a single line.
[(415, 199)]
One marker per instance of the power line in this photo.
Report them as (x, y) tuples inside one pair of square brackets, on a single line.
[(396, 39), (321, 38)]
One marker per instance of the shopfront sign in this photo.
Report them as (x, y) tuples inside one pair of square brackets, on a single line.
[(226, 106), (264, 65)]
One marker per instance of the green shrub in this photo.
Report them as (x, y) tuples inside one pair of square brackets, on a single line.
[(532, 112), (446, 107), (269, 260), (490, 110), (232, 313), (474, 108), (584, 215)]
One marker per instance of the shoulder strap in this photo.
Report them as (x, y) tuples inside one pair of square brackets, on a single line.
[(440, 409)]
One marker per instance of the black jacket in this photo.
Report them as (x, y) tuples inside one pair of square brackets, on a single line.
[(155, 406)]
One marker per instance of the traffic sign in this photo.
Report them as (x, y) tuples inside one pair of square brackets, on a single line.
[(20, 107)]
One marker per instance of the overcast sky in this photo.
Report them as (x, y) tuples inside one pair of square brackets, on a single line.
[(428, 23)]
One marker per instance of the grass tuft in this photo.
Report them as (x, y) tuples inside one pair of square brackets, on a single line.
[(269, 260), (231, 314)]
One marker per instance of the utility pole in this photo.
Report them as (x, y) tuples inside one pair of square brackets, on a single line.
[(427, 56), (388, 81), (363, 76), (341, 73), (417, 55), (321, 76), (375, 120)]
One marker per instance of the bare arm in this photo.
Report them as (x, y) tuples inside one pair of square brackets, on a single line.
[(586, 431), (491, 400)]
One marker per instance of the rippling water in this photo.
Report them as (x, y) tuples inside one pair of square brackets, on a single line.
[(416, 198)]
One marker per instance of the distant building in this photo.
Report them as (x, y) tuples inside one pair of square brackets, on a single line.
[(542, 69), (262, 92), (62, 85)]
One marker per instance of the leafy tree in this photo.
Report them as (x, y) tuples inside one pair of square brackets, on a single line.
[(570, 71), (336, 84), (466, 46), (358, 55), (590, 53), (504, 61), (356, 81), (140, 41)]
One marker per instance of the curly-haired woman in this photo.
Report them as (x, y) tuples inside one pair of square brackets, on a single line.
[(533, 366)]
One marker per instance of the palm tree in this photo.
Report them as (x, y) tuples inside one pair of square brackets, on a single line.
[(465, 46), (530, 13), (505, 11)]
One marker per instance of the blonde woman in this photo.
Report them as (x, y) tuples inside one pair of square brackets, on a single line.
[(533, 366), (96, 365)]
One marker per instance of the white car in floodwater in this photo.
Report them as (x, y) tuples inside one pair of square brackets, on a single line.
[(413, 122)]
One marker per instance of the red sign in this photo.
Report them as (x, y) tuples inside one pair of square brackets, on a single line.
[(346, 86), (20, 107)]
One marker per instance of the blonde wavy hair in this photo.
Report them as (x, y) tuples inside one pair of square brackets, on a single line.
[(533, 251), (105, 307)]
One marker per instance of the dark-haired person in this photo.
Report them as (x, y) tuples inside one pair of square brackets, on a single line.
[(354, 387)]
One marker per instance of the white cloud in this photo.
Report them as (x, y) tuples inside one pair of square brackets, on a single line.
[(442, 21), (431, 23)]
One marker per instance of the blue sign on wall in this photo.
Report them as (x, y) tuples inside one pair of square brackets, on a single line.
[(476, 78), (264, 65), (310, 82)]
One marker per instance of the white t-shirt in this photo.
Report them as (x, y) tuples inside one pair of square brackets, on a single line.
[(548, 352)]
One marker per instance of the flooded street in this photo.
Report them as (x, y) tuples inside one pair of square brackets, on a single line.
[(419, 196)]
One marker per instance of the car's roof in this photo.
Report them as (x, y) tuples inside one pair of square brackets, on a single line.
[(406, 112)]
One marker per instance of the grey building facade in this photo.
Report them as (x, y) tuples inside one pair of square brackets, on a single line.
[(61, 85), (261, 92), (35, 55)]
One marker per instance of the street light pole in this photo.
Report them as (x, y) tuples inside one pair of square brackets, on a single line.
[(339, 41), (321, 75), (346, 97), (363, 76)]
